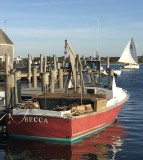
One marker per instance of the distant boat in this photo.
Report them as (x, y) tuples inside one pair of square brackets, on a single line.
[(129, 56)]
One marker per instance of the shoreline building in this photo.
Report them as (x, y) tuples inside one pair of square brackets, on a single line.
[(6, 48)]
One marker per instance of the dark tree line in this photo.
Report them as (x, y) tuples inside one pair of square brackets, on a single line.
[(115, 59), (60, 59)]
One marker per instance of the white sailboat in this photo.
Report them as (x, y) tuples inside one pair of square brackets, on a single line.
[(129, 56)]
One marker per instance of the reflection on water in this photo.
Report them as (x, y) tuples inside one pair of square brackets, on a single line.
[(101, 146)]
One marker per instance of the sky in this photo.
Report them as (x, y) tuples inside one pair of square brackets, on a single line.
[(42, 26)]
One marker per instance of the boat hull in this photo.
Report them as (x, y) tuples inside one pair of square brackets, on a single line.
[(59, 129), (131, 67)]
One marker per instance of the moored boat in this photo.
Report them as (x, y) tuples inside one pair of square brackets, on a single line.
[(68, 116)]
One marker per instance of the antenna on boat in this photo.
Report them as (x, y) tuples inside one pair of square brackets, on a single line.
[(97, 42)]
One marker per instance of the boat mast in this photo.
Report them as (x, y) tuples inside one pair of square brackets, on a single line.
[(97, 42)]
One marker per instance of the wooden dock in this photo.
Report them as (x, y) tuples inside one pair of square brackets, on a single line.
[(31, 91)]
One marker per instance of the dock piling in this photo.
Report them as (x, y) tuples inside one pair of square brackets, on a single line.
[(45, 81), (9, 91), (52, 81), (60, 78), (17, 81), (34, 77), (29, 68)]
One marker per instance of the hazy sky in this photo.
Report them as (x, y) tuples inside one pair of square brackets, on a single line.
[(41, 26)]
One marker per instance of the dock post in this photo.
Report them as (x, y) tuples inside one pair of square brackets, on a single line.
[(63, 64), (34, 77), (108, 62), (45, 64), (17, 80), (60, 78), (41, 63), (58, 65), (29, 68), (55, 62), (45, 81), (9, 91), (111, 76), (9, 84), (52, 81)]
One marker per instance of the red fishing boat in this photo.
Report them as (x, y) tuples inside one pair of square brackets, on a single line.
[(97, 145), (68, 116)]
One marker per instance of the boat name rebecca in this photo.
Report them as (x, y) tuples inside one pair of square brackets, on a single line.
[(36, 119)]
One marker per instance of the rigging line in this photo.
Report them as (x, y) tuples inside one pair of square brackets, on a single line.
[(3, 116)]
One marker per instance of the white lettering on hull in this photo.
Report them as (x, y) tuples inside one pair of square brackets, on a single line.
[(35, 120)]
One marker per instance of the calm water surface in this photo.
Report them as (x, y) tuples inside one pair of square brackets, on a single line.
[(121, 141)]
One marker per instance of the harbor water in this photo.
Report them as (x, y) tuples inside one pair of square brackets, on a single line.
[(121, 141)]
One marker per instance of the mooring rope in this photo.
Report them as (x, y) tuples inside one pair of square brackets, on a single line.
[(2, 117), (22, 118)]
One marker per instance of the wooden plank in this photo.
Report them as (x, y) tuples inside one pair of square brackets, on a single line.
[(92, 97)]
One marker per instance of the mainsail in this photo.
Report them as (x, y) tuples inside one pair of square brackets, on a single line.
[(129, 54)]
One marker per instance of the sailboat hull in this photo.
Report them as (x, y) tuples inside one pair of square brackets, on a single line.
[(131, 66)]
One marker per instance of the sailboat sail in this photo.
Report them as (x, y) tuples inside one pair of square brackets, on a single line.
[(129, 54)]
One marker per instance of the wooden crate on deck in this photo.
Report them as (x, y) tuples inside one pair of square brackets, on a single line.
[(100, 104)]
